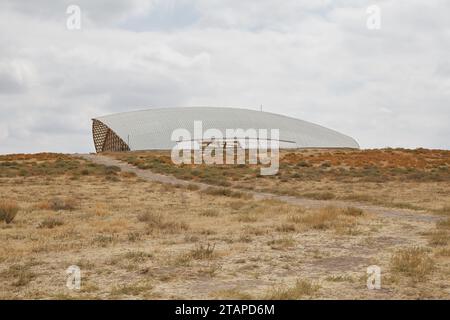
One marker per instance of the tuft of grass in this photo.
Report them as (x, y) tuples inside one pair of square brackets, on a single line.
[(135, 289), (157, 222), (247, 217), (203, 252), (286, 227), (321, 220), (412, 262), (439, 238), (299, 290), (57, 204), (319, 195), (8, 210), (210, 270), (137, 256), (192, 187), (112, 170), (339, 278), (281, 243), (209, 213), (50, 223), (227, 193), (358, 197), (182, 260), (19, 273), (443, 224), (134, 236), (445, 252), (329, 218), (352, 211), (105, 240), (443, 211), (237, 205), (128, 174)]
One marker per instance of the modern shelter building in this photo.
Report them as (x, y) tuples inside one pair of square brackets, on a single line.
[(152, 129)]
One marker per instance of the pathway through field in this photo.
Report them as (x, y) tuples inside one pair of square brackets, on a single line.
[(148, 175)]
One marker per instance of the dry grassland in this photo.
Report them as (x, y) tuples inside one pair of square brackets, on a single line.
[(135, 239), (398, 178)]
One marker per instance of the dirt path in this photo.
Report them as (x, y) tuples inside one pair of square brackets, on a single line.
[(148, 175)]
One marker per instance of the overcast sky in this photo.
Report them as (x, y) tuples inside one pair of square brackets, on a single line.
[(311, 59)]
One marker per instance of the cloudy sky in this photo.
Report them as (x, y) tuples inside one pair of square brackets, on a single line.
[(311, 59)]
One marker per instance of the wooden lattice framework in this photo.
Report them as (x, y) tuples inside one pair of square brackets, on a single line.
[(105, 139)]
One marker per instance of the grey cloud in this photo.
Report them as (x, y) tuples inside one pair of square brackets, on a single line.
[(314, 60), (98, 12)]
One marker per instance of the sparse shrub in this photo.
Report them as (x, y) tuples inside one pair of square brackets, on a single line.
[(50, 223), (340, 220), (211, 270), (57, 204), (359, 197), (339, 278), (443, 224), (247, 217), (191, 238), (319, 195), (301, 289), (20, 273), (245, 238), (445, 252), (323, 219), (285, 227), (236, 205), (226, 192), (192, 187), (137, 256), (412, 262), (281, 243), (209, 213), (157, 222), (439, 238), (112, 178), (202, 252), (134, 236), (182, 260), (128, 174), (444, 211), (150, 218), (101, 209), (105, 240), (294, 218), (352, 211), (111, 170), (132, 289), (326, 164), (8, 210), (303, 163)]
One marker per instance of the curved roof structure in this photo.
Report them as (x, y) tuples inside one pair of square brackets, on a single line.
[(152, 129)]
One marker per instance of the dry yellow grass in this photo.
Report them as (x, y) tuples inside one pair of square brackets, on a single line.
[(8, 210), (136, 239), (399, 178), (301, 289), (413, 262)]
